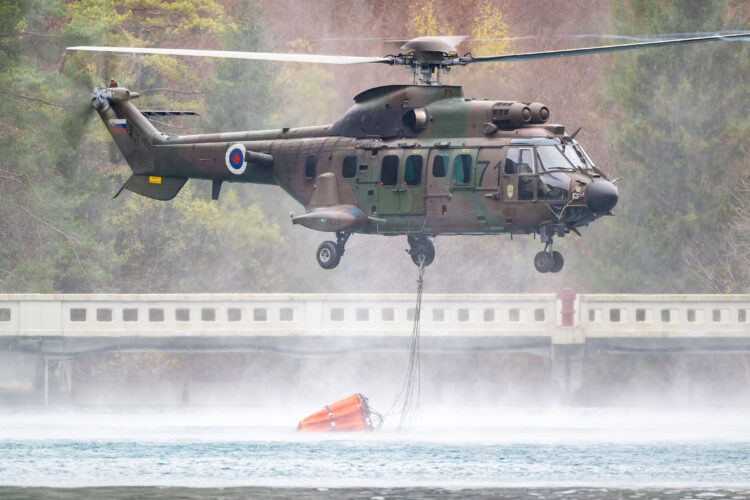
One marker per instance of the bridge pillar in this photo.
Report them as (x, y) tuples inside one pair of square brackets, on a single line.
[(57, 383), (568, 346), (567, 366), (17, 375)]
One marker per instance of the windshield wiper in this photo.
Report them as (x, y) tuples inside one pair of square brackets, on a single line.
[(555, 170)]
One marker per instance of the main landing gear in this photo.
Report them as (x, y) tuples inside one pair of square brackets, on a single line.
[(329, 253), (421, 250), (548, 261)]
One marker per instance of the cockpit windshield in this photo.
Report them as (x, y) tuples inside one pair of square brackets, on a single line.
[(551, 158), (575, 154), (562, 157)]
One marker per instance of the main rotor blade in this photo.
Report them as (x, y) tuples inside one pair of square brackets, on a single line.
[(601, 49), (264, 56)]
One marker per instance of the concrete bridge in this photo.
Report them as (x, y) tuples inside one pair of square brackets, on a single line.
[(563, 328)]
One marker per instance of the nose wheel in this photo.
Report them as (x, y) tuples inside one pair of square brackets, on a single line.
[(329, 253), (421, 250), (548, 260)]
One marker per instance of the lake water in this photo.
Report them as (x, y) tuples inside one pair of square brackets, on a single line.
[(448, 452)]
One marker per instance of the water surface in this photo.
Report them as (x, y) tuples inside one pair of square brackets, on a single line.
[(454, 453)]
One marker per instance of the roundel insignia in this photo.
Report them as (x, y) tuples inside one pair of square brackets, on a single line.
[(236, 159), (510, 190)]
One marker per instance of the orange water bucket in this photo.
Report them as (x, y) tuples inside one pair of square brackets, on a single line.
[(349, 414)]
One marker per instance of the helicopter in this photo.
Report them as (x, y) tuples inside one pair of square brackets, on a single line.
[(417, 159)]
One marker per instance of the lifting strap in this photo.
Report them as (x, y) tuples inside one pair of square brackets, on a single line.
[(409, 393)]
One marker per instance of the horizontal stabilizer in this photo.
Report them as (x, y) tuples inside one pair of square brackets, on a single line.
[(158, 112), (152, 186)]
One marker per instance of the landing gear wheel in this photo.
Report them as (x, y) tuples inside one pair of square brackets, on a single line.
[(328, 255), (543, 262), (557, 262), (421, 249)]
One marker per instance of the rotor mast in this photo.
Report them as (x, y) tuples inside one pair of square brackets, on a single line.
[(428, 73), (429, 57)]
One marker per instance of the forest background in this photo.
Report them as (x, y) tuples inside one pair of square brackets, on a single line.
[(672, 122)]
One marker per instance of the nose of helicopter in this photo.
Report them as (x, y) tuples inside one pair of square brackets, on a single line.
[(601, 197)]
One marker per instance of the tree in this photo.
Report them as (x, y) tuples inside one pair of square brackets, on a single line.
[(60, 230), (677, 114)]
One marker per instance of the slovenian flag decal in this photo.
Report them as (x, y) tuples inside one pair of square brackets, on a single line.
[(118, 126)]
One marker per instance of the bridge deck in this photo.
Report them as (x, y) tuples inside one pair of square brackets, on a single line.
[(226, 316)]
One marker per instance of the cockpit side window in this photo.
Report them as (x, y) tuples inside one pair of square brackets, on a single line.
[(526, 179), (511, 161), (524, 166), (553, 187)]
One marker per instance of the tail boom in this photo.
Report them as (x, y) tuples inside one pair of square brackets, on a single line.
[(162, 164)]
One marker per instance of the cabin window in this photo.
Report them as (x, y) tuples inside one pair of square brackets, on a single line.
[(389, 171), (462, 170), (4, 314), (349, 169), (310, 166), (438, 165), (413, 170), (489, 315)]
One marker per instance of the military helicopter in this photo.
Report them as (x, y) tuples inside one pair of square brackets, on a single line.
[(418, 160)]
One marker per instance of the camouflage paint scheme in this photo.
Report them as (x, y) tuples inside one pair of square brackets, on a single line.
[(399, 121)]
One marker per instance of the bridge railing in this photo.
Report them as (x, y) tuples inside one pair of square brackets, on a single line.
[(276, 314), (596, 315), (630, 315)]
